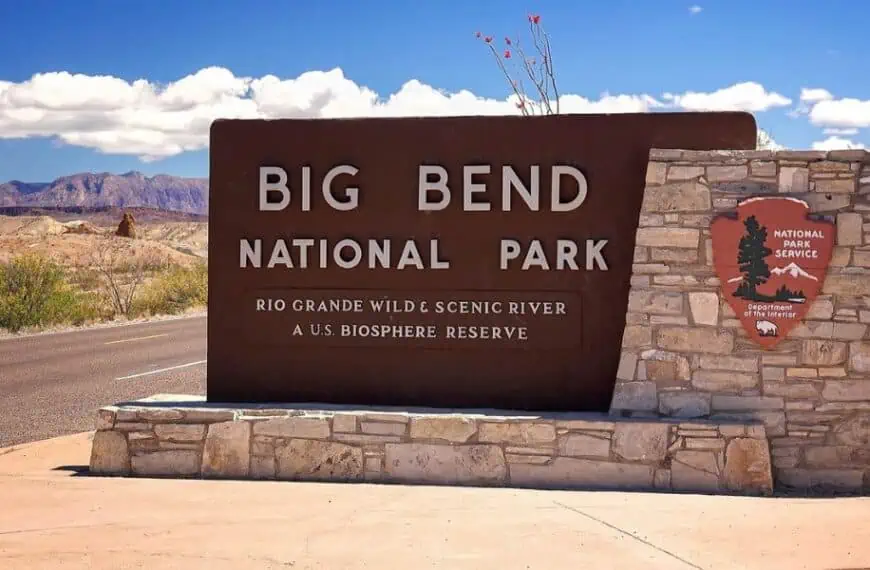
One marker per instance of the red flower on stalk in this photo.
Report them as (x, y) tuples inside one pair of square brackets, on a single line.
[(488, 39), (507, 41), (534, 18), (507, 54), (476, 34)]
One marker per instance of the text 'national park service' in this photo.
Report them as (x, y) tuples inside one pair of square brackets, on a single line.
[(434, 193)]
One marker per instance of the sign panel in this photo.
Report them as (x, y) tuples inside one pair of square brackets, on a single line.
[(448, 262), (771, 260)]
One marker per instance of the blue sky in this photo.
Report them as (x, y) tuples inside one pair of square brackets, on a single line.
[(49, 128)]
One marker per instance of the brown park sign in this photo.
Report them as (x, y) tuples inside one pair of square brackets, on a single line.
[(448, 262), (771, 260)]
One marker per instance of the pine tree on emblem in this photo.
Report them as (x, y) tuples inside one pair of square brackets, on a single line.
[(750, 259)]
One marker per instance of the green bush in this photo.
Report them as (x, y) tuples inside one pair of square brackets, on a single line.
[(34, 292), (173, 291)]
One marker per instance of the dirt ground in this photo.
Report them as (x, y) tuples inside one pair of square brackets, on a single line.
[(71, 242), (55, 515)]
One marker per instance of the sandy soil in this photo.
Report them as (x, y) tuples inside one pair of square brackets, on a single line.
[(71, 242)]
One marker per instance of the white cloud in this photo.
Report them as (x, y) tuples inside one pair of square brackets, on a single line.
[(815, 94), (841, 113), (841, 132), (154, 121), (836, 143), (695, 9), (747, 96)]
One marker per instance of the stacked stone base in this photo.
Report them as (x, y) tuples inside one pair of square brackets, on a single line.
[(185, 437)]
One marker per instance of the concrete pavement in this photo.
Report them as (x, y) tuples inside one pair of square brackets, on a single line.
[(53, 384), (51, 518)]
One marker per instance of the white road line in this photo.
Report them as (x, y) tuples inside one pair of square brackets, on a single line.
[(162, 370), (137, 338)]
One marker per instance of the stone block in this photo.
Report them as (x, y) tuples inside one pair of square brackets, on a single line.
[(456, 429), (732, 363), (813, 329), (627, 366), (674, 255), (684, 404), (849, 229), (774, 421), (727, 173), (641, 441), (830, 166), (801, 372), (859, 357), (180, 432), (747, 466), (567, 472), (854, 432), (798, 390), (294, 427), (584, 445), (366, 438), (178, 462), (110, 454), (836, 186), (846, 390), (770, 373), (668, 237), (847, 284), (823, 352), (840, 257), (262, 467), (763, 168), (655, 172), (149, 414), (227, 449), (106, 418), (740, 403), (655, 302), (446, 464), (704, 307), (695, 471), (721, 381), (306, 459), (849, 331), (517, 433), (382, 428), (693, 339), (636, 336), (794, 179), (685, 172), (530, 459), (689, 196), (841, 479), (635, 396), (662, 479), (344, 423)]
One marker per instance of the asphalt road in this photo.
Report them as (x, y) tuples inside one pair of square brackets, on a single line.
[(53, 384)]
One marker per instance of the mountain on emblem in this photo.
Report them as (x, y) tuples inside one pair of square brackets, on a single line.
[(771, 260)]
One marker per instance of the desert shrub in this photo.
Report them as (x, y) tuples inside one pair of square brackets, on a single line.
[(174, 290), (34, 292)]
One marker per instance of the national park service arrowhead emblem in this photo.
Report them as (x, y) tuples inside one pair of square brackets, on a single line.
[(771, 261)]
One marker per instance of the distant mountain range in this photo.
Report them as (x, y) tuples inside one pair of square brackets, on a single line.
[(101, 190)]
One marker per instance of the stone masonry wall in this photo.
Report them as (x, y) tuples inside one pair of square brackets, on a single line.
[(685, 353), (591, 451)]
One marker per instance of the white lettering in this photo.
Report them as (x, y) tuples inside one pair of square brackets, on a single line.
[(425, 186), (556, 204), (470, 187), (279, 186), (510, 179), (351, 192)]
